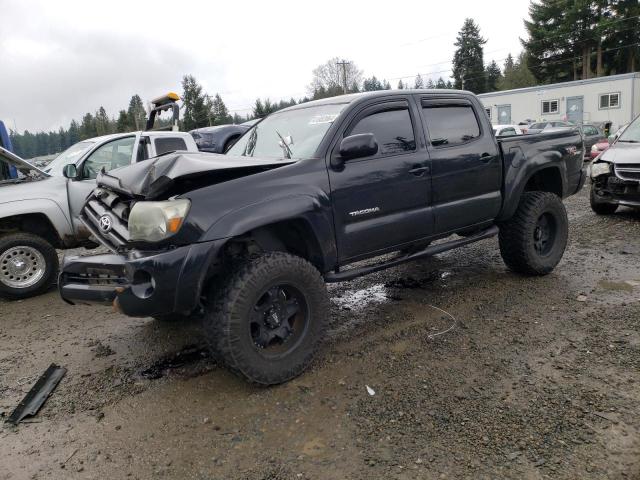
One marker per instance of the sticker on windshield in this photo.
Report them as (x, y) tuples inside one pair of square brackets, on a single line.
[(326, 118)]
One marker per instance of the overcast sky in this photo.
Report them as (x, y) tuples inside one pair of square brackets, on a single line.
[(60, 59)]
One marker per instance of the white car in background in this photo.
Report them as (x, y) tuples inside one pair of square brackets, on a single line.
[(505, 130)]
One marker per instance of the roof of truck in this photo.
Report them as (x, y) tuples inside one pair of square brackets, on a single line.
[(354, 97)]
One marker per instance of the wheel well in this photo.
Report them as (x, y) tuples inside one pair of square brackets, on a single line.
[(35, 223), (292, 236), (545, 180)]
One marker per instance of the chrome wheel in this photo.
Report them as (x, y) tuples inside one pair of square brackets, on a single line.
[(21, 267)]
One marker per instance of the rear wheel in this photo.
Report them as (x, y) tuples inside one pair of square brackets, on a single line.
[(269, 319), (28, 265), (600, 207), (534, 239)]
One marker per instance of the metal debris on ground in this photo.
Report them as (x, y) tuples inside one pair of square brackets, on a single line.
[(370, 390), (451, 327), (38, 394)]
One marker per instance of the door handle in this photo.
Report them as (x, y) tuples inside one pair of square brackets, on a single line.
[(419, 171), (486, 157)]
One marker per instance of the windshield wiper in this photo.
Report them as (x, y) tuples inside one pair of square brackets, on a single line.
[(285, 147), (629, 141)]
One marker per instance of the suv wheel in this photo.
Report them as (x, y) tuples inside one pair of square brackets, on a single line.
[(28, 265), (534, 239), (600, 207), (269, 319)]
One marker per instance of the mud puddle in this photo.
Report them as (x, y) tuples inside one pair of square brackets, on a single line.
[(191, 361)]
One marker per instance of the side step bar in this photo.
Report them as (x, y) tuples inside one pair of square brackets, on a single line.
[(427, 252)]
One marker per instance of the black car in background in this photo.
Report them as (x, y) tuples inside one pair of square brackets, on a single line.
[(218, 139)]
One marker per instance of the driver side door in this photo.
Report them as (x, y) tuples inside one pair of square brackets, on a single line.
[(114, 154)]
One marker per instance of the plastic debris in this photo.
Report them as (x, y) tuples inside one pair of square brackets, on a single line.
[(370, 390)]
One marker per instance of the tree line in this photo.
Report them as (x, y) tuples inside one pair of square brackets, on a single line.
[(567, 40)]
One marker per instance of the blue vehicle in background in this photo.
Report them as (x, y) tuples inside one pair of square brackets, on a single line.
[(6, 171)]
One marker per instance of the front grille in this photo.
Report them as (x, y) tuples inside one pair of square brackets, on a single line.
[(95, 279), (629, 171), (101, 206)]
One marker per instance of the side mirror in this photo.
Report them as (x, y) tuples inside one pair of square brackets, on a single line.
[(358, 146), (70, 171), (611, 139)]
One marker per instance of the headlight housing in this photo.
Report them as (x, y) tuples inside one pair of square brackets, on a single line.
[(594, 148), (155, 221), (601, 168)]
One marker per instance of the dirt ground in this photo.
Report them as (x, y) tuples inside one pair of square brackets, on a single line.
[(538, 378)]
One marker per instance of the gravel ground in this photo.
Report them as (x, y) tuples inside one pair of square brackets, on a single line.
[(535, 378)]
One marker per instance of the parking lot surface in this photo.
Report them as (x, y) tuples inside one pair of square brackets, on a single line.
[(535, 378)]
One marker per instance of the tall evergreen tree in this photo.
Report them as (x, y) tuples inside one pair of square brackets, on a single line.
[(103, 126), (123, 122), (197, 110), (401, 85), (74, 133), (440, 83), (516, 74), (136, 113), (418, 83), (220, 112), (468, 59), (493, 75), (430, 84), (88, 127)]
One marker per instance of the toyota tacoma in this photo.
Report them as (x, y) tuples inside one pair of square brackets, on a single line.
[(247, 240)]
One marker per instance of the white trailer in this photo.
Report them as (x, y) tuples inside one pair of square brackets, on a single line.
[(614, 99)]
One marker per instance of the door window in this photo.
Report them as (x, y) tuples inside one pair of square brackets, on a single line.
[(392, 128), (114, 154), (451, 124), (588, 130), (169, 144)]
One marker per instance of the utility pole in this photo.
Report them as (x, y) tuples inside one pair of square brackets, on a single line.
[(344, 64)]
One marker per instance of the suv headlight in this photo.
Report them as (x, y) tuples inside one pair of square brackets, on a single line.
[(601, 168), (155, 221)]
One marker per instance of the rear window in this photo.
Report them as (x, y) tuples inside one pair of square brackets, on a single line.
[(169, 144), (451, 124)]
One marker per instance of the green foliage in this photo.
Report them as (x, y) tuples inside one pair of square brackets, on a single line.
[(197, 108), (418, 83), (122, 124), (440, 83), (430, 84), (136, 113), (468, 61), (401, 85), (516, 74), (372, 84), (581, 39), (493, 76)]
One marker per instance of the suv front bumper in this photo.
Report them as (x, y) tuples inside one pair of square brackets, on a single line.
[(140, 283)]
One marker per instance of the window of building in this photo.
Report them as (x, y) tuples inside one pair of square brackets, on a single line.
[(550, 106), (610, 100)]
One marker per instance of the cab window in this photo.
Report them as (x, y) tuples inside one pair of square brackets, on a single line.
[(168, 144), (451, 124), (392, 128), (114, 154)]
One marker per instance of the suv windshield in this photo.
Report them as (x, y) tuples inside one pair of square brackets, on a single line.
[(70, 155), (631, 134), (290, 134)]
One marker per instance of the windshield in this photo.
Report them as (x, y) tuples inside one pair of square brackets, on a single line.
[(291, 134), (70, 155), (631, 134)]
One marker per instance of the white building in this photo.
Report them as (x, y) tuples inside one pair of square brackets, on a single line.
[(614, 99)]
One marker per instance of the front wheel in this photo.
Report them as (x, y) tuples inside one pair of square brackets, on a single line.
[(28, 265), (268, 319), (534, 239)]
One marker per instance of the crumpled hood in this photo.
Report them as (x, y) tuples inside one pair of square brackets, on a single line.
[(155, 177), (622, 153)]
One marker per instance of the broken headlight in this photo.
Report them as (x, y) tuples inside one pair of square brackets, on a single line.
[(155, 221), (601, 168)]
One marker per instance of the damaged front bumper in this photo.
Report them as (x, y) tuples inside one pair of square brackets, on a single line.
[(140, 283), (609, 188)]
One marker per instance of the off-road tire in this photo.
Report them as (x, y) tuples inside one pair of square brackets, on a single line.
[(599, 207), (517, 236), (230, 304), (51, 265)]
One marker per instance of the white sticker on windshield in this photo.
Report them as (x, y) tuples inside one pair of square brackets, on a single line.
[(326, 118)]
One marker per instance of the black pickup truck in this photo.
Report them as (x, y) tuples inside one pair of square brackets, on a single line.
[(247, 240)]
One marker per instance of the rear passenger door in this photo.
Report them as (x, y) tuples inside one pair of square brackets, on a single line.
[(382, 201), (466, 166)]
